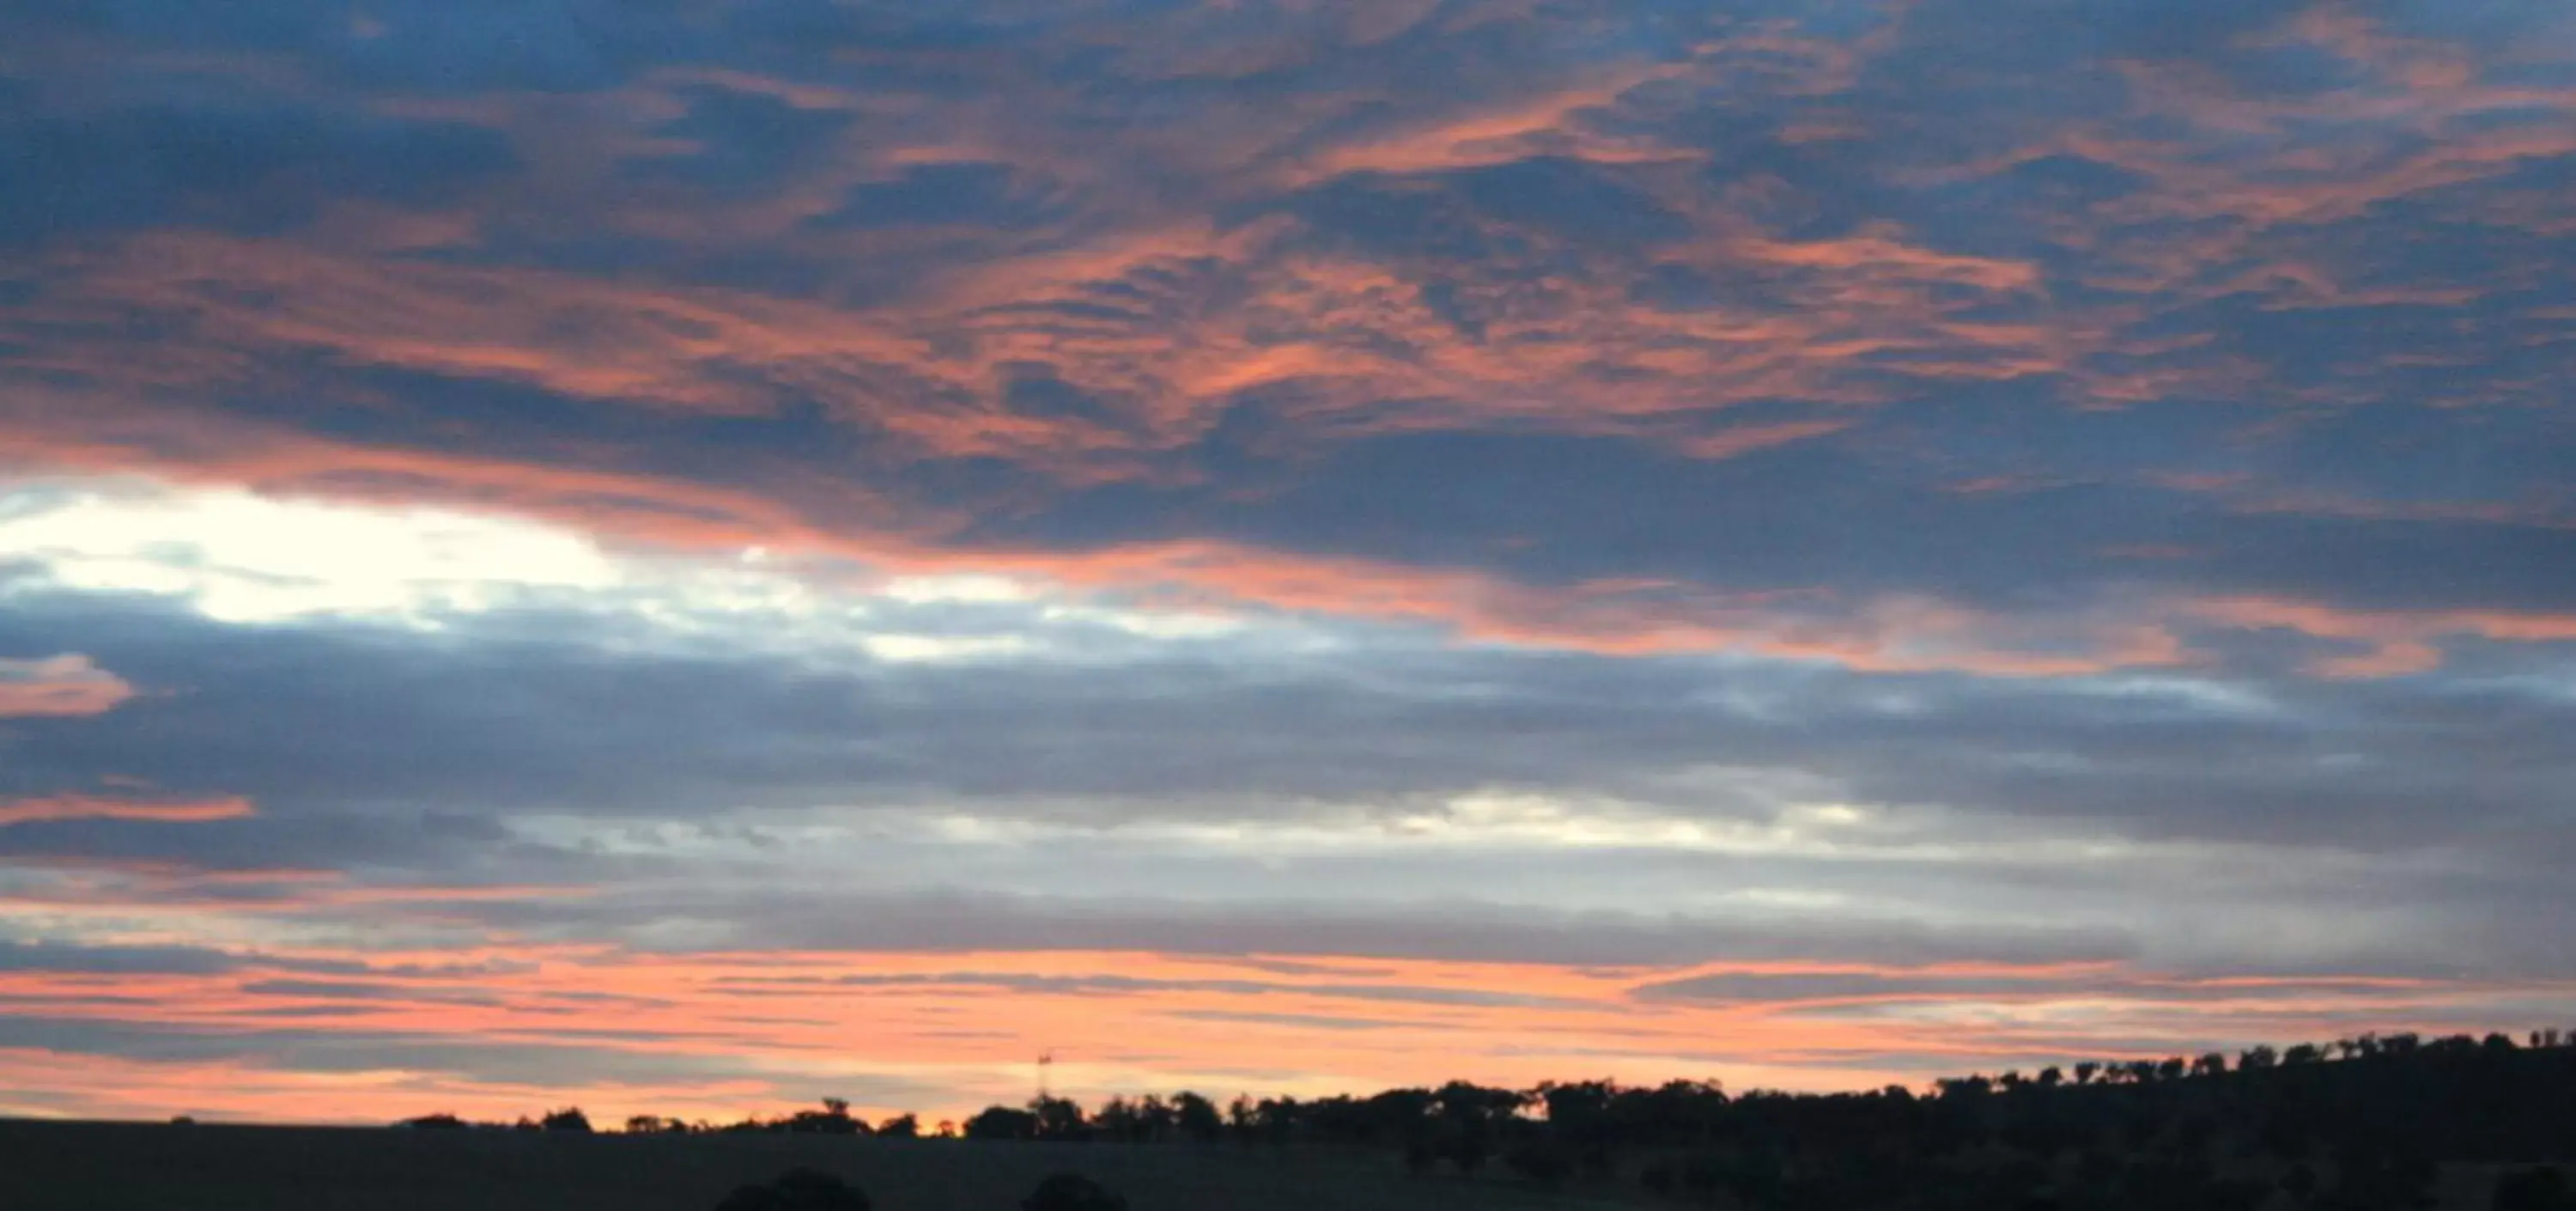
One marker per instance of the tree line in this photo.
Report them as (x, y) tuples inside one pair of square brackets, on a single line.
[(2366, 1123)]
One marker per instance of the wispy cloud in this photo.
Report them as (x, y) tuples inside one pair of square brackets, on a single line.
[(1882, 535), (66, 685)]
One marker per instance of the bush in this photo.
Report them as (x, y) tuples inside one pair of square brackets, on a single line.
[(1072, 1192), (1539, 1163), (2533, 1190), (798, 1190), (1419, 1157)]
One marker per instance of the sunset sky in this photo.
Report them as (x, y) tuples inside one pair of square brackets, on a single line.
[(688, 556)]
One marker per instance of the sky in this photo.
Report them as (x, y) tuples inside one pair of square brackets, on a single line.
[(689, 556)]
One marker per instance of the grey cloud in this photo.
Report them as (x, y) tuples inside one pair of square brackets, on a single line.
[(115, 960), (981, 194), (511, 1064), (412, 44), (744, 142), (1113, 985), (1456, 932), (89, 959), (1934, 986), (249, 170), (547, 723), (2256, 317)]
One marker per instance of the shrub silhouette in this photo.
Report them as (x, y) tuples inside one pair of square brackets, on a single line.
[(1002, 1123), (1539, 1163), (1072, 1192), (798, 1190), (2533, 1190)]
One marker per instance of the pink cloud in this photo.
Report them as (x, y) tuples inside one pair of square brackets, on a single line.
[(967, 1025), (90, 807), (59, 686), (2394, 643)]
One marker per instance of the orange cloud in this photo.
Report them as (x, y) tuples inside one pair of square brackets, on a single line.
[(1508, 131), (965, 1026), (89, 807), (1607, 617), (2395, 642), (58, 686)]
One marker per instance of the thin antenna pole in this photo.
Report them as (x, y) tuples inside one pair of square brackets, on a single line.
[(1046, 1061)]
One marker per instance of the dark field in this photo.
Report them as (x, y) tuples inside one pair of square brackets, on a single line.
[(152, 1167)]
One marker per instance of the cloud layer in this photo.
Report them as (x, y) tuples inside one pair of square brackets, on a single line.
[(1894, 535)]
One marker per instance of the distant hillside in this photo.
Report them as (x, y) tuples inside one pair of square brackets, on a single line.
[(2363, 1124)]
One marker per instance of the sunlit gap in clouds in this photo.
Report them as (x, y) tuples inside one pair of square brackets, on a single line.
[(1494, 910), (240, 558)]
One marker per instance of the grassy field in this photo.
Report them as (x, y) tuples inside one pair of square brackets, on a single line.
[(150, 1167)]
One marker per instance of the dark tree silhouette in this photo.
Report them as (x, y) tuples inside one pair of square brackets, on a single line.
[(1060, 1119), (1002, 1123), (2367, 1123), (798, 1190), (833, 1119), (570, 1118), (1197, 1118)]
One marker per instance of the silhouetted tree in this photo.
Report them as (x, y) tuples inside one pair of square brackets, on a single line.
[(2140, 1135), (833, 1119), (1059, 1119), (798, 1190), (1002, 1123), (900, 1127), (1196, 1118), (570, 1118), (1118, 1120)]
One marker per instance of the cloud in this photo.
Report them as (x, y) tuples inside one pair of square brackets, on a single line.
[(252, 170), (1775, 499), (59, 686), (87, 807)]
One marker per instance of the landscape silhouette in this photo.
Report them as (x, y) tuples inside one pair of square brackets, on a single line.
[(2364, 1123), (1287, 605)]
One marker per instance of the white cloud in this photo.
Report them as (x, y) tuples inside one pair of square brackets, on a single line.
[(242, 558), (237, 557)]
